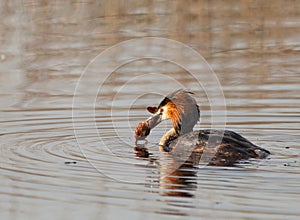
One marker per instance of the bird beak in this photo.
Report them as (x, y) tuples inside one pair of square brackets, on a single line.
[(154, 120)]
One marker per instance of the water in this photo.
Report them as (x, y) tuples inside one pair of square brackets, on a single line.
[(47, 172)]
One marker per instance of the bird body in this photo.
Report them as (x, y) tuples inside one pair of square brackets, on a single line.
[(225, 147)]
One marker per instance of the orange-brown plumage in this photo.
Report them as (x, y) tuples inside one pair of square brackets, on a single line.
[(173, 113)]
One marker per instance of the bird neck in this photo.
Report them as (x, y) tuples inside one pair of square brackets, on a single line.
[(168, 137)]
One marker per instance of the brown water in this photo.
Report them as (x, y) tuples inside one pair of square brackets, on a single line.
[(252, 46)]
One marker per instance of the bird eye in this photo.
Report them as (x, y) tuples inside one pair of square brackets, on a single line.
[(161, 110)]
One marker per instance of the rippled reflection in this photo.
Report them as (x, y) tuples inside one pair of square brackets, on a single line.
[(174, 179), (171, 180)]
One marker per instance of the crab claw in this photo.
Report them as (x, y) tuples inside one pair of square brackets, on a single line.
[(142, 131)]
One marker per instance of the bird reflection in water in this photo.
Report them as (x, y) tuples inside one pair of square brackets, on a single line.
[(175, 178)]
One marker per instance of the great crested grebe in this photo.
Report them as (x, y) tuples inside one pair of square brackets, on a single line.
[(179, 106)]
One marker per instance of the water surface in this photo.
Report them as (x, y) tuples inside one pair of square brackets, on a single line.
[(253, 48)]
